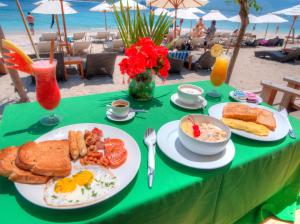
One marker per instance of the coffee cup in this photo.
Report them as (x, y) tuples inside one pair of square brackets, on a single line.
[(190, 94), (119, 108)]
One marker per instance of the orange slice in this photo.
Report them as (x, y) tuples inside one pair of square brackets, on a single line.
[(216, 50)]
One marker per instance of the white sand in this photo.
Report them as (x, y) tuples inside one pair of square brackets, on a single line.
[(247, 75)]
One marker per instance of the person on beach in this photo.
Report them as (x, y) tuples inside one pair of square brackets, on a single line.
[(30, 20), (210, 33), (199, 29)]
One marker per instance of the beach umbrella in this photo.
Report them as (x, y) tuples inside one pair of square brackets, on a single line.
[(185, 14), (177, 4), (160, 11), (104, 7), (42, 1), (252, 19), (56, 7), (196, 10), (214, 15), (2, 4), (129, 4), (271, 18), (293, 11)]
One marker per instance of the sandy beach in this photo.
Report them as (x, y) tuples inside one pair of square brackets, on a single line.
[(247, 75)]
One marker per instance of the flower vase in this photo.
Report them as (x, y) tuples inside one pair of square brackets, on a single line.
[(141, 88)]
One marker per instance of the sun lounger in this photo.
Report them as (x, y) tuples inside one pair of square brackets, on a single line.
[(278, 55), (116, 45), (100, 64), (60, 67), (78, 36), (197, 42), (177, 60), (80, 48), (48, 36), (44, 47), (100, 37), (204, 61)]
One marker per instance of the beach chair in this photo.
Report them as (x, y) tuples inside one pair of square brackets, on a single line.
[(116, 45), (48, 36), (100, 37), (81, 48), (177, 59), (45, 46), (79, 36), (197, 42), (100, 64), (278, 55), (60, 67), (205, 61)]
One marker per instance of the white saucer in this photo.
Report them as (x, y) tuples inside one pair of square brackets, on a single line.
[(231, 94), (170, 145), (177, 102), (112, 117)]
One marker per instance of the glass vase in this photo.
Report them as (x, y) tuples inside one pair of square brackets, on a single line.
[(141, 88)]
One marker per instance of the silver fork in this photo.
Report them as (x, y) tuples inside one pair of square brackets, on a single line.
[(150, 141)]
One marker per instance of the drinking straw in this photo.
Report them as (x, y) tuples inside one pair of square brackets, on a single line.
[(52, 51)]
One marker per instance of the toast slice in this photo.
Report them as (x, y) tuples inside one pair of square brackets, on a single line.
[(266, 118), (10, 170), (48, 158), (239, 111)]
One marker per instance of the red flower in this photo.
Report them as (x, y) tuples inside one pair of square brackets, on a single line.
[(145, 55)]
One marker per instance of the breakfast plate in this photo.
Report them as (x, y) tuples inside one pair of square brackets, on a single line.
[(170, 145), (112, 117), (231, 94), (175, 99), (280, 131), (123, 174)]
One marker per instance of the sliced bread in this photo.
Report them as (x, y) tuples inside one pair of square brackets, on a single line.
[(48, 158), (10, 170)]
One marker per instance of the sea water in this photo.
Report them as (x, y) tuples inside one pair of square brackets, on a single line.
[(85, 20)]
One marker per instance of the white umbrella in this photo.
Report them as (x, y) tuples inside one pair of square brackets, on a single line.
[(2, 4), (184, 14), (177, 4), (160, 11), (196, 10), (252, 19), (214, 15), (271, 18), (293, 11), (53, 7), (129, 4), (103, 7), (42, 1), (56, 7)]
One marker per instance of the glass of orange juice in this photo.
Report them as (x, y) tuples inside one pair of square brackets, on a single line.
[(219, 74)]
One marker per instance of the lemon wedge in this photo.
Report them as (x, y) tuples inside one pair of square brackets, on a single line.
[(216, 50)]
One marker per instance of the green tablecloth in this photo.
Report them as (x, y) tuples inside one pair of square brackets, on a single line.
[(263, 178)]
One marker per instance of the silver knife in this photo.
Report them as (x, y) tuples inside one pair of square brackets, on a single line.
[(150, 141)]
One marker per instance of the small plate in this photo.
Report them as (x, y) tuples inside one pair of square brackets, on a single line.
[(175, 99), (170, 145), (112, 117), (231, 94)]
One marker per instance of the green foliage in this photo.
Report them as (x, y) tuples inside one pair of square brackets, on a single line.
[(133, 27)]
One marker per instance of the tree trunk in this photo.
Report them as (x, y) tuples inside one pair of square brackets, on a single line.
[(244, 23), (14, 75)]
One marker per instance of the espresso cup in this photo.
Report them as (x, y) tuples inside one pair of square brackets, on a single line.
[(119, 108), (190, 94)]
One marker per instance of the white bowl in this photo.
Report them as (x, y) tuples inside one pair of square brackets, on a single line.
[(202, 147)]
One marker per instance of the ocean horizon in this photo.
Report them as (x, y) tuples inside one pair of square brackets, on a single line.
[(11, 22)]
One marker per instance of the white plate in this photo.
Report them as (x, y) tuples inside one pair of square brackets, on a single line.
[(280, 132), (112, 117), (231, 94), (124, 174), (168, 142), (176, 101)]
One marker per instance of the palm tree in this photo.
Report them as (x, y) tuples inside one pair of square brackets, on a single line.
[(245, 5)]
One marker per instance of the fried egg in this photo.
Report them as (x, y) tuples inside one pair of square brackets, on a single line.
[(84, 185)]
